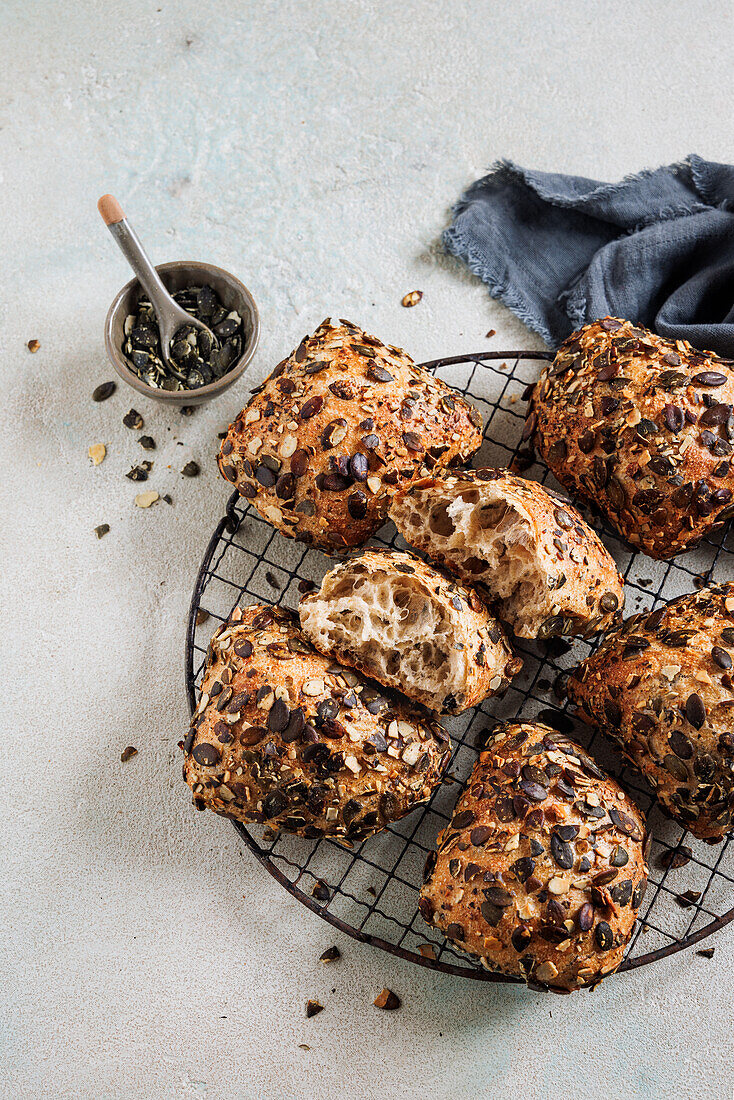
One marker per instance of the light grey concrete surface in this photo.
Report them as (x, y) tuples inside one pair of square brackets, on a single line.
[(313, 149)]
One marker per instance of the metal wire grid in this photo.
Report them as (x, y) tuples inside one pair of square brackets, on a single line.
[(371, 892)]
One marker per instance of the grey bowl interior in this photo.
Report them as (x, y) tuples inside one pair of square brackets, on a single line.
[(175, 276)]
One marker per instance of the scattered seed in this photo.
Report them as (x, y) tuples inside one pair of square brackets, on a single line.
[(427, 950), (33, 346), (102, 530), (273, 580), (147, 442), (97, 453), (688, 898), (320, 890), (128, 753), (492, 332), (138, 473), (330, 955), (104, 391), (133, 419), (412, 299), (191, 469), (674, 859), (387, 1000), (706, 952), (144, 500), (201, 616)]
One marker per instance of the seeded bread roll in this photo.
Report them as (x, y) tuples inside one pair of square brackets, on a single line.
[(541, 871), (287, 738), (662, 690), (525, 545), (404, 624), (339, 425), (642, 428)]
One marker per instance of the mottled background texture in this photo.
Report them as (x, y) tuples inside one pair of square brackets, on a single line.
[(314, 148)]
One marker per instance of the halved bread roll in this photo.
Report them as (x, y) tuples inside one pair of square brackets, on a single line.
[(408, 626), (526, 546), (337, 426), (287, 738)]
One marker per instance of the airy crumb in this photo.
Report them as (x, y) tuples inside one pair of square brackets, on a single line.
[(412, 299), (97, 453), (144, 500)]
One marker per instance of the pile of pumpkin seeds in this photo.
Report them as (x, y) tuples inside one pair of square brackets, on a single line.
[(196, 358)]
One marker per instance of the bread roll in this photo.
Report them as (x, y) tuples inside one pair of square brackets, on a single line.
[(662, 690), (542, 870), (642, 428)]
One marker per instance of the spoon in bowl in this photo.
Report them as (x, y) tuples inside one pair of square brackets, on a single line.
[(169, 314)]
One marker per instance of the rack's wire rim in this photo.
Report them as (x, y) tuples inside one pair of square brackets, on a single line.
[(230, 521)]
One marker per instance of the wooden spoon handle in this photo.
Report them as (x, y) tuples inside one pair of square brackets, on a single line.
[(110, 209)]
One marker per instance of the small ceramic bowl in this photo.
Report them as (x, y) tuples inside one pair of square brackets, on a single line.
[(176, 276)]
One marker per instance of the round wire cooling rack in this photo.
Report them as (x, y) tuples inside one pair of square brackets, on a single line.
[(370, 891)]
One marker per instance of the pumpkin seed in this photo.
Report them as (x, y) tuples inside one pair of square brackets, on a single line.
[(104, 391)]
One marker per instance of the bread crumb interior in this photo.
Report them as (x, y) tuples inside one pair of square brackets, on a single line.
[(488, 540)]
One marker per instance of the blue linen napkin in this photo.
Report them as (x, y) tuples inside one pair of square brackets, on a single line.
[(559, 251)]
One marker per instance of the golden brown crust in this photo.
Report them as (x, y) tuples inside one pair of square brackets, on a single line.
[(486, 658), (541, 871), (583, 590), (641, 427), (338, 425), (662, 690), (309, 748)]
